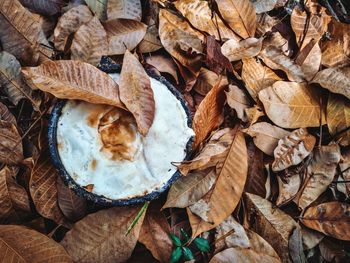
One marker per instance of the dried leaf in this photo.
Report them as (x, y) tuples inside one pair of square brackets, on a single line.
[(100, 237), (271, 223), (311, 238), (296, 250), (344, 168), (67, 79), (6, 115), (90, 42), (320, 173), (253, 114), (124, 34), (98, 7), (236, 50), (292, 105), (312, 61), (331, 218), (266, 136), (163, 64), (21, 244), (21, 34), (293, 149), (44, 7), (238, 100), (69, 23), (200, 16), (288, 186), (260, 245), (128, 9), (239, 15), (256, 76), (206, 79), (215, 60), (333, 251), (265, 23), (262, 6), (11, 150), (150, 41), (71, 205), (136, 92)]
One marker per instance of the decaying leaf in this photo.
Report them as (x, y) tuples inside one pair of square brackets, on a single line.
[(136, 92), (320, 173), (22, 244), (236, 50), (6, 115), (292, 105), (44, 7), (124, 34), (215, 60), (295, 245), (238, 100), (68, 79), (128, 9), (90, 42), (100, 237), (262, 6), (99, 8), (239, 15), (266, 136), (288, 186), (293, 149), (11, 150), (330, 218)]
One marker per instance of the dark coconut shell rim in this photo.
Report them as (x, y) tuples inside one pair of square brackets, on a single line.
[(109, 67)]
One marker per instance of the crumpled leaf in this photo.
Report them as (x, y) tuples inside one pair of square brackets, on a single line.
[(98, 7), (239, 15), (292, 105), (68, 79), (330, 218), (293, 149), (236, 50), (238, 100), (262, 6), (136, 92), (11, 149), (100, 237), (44, 7), (124, 34), (266, 136), (128, 9)]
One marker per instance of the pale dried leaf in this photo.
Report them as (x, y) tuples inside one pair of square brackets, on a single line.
[(260, 245), (150, 41), (238, 100), (128, 9), (206, 79), (11, 150), (163, 64), (288, 187), (98, 7), (236, 50), (295, 245), (44, 7), (253, 114), (312, 62), (262, 6), (311, 238)]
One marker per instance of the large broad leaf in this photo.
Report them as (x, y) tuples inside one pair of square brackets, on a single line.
[(21, 34), (124, 34), (129, 9), (21, 244), (100, 237), (330, 218), (11, 150), (99, 8), (136, 92), (6, 115), (200, 16), (67, 79), (44, 7), (69, 23), (239, 15), (292, 105), (236, 50)]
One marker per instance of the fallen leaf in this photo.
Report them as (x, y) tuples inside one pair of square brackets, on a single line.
[(253, 114), (262, 6), (265, 23), (6, 115), (21, 244), (11, 150), (98, 7), (260, 245), (163, 64), (293, 149), (21, 34), (288, 186), (266, 136), (311, 238), (256, 76), (295, 245), (239, 15), (206, 79), (44, 7), (90, 42), (320, 173), (124, 34), (344, 166), (238, 100), (333, 251), (271, 223), (67, 79), (100, 237), (215, 60), (310, 65), (69, 23), (150, 41), (136, 92), (330, 218), (292, 105), (128, 9), (236, 50)]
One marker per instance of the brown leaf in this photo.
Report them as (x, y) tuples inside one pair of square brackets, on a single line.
[(236, 50), (200, 16), (295, 245), (260, 245), (253, 114), (67, 79), (6, 115), (128, 9), (154, 235), (331, 218), (320, 173), (99, 8), (11, 150), (238, 100), (21, 34), (21, 244), (69, 23), (150, 41), (262, 6), (136, 92), (345, 168), (292, 105), (124, 34), (100, 237), (215, 60), (266, 136), (44, 7), (293, 149), (239, 15), (90, 42), (163, 64), (288, 186), (333, 251), (311, 61), (271, 223), (71, 205), (206, 79), (311, 238), (265, 23), (256, 76)]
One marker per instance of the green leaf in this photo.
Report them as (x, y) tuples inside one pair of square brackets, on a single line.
[(175, 239), (175, 255), (185, 236), (187, 253), (202, 244)]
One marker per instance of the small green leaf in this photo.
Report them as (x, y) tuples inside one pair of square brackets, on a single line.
[(202, 244), (175, 255), (175, 239), (185, 235), (187, 253)]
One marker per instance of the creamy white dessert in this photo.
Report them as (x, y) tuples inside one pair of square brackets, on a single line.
[(101, 149)]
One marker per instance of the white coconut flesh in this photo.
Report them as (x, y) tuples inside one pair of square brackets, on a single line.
[(100, 147)]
